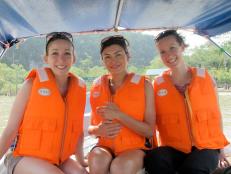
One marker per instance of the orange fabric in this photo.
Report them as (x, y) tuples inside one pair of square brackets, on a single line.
[(52, 125), (202, 128), (130, 98)]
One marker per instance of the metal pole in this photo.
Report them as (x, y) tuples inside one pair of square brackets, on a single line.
[(118, 14), (2, 53), (222, 49)]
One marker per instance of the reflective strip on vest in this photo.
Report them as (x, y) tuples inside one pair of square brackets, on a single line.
[(43, 77), (159, 80), (200, 72), (97, 81), (81, 82), (136, 78)]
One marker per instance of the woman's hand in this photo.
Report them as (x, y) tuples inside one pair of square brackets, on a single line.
[(223, 162), (108, 129), (109, 111)]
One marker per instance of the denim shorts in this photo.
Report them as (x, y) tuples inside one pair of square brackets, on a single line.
[(10, 162)]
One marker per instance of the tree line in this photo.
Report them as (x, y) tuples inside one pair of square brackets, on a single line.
[(210, 57), (87, 48), (17, 62)]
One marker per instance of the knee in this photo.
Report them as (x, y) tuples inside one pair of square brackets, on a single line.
[(98, 154), (117, 165), (125, 166), (81, 170), (99, 161)]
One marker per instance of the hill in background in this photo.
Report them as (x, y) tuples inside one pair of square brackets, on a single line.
[(30, 53)]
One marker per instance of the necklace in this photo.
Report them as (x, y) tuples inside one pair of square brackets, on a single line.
[(111, 83), (113, 86), (181, 81)]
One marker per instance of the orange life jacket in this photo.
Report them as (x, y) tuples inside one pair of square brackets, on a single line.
[(51, 124), (130, 98), (190, 120)]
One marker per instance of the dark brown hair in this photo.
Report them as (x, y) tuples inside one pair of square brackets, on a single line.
[(166, 33), (115, 39), (51, 37)]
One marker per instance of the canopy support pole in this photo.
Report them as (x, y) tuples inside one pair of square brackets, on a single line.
[(222, 49), (118, 14), (7, 45), (2, 53)]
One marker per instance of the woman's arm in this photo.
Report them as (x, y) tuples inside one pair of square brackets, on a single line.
[(223, 161), (15, 118), (145, 128), (79, 155)]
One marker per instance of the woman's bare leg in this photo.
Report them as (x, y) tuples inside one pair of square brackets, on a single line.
[(30, 165), (128, 162), (71, 166), (99, 161)]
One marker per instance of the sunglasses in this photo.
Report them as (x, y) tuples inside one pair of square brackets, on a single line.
[(59, 35), (119, 37), (114, 38), (165, 34)]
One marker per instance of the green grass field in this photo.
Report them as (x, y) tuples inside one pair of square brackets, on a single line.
[(225, 104), (5, 107), (224, 99)]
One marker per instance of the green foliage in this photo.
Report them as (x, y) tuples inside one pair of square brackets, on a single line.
[(11, 78), (89, 46), (206, 56), (156, 63), (222, 76), (89, 74), (30, 53), (214, 60), (89, 64)]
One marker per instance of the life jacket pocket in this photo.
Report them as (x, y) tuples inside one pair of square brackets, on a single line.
[(38, 134), (201, 127), (49, 138), (207, 125), (168, 127), (214, 124), (30, 138)]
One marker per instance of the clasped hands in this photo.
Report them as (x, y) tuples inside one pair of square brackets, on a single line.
[(109, 127)]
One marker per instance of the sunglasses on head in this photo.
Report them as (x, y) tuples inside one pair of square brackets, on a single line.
[(114, 38), (59, 35), (165, 34)]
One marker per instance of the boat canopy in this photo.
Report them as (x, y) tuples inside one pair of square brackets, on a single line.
[(21, 19)]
